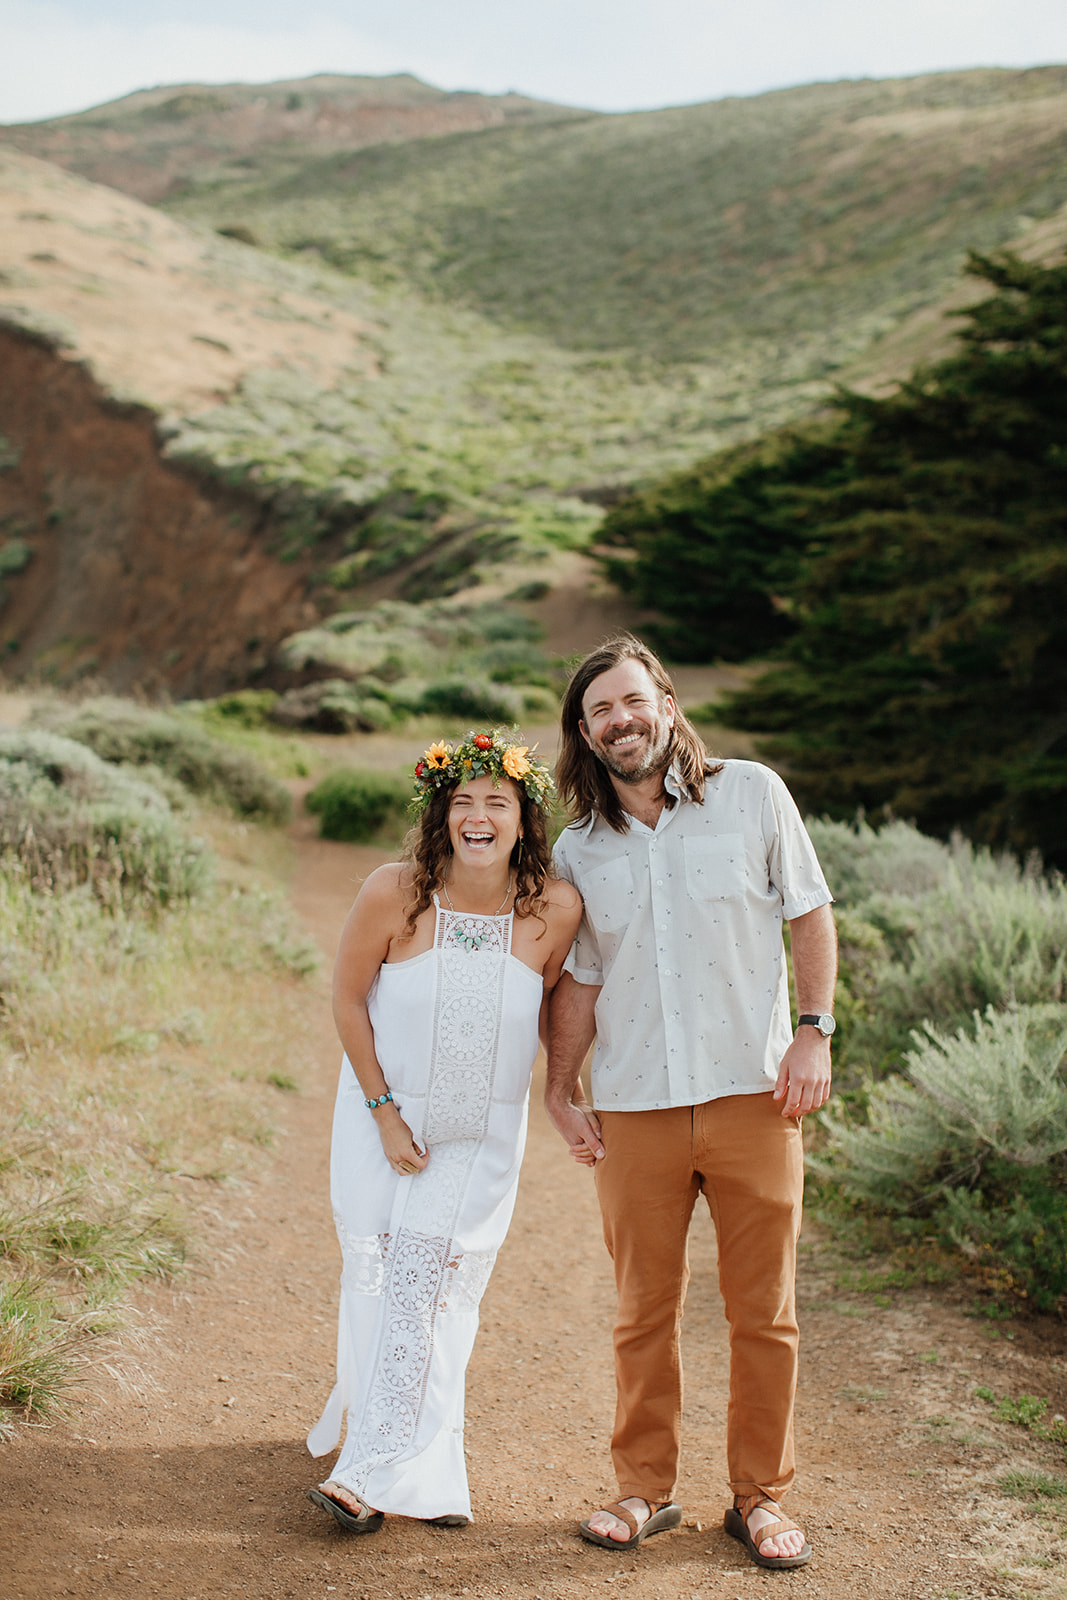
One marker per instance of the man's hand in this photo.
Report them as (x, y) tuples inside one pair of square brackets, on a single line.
[(804, 1075), (580, 1126)]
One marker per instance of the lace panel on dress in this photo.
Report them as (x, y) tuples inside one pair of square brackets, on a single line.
[(423, 1276), (363, 1259)]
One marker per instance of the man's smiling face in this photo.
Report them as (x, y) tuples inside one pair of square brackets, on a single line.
[(627, 723)]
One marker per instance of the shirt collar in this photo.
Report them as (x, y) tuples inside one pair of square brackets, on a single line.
[(673, 784)]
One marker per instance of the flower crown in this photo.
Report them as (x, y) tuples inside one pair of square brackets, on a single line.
[(481, 755)]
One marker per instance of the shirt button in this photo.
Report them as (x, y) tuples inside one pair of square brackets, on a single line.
[(659, 883)]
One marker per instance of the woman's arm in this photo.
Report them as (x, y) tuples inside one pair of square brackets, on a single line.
[(562, 913), (375, 920)]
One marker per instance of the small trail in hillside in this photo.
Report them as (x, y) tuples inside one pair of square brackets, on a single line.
[(190, 1484)]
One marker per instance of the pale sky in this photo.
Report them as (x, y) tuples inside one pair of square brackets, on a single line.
[(612, 55)]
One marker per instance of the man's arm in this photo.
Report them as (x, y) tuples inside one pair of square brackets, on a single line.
[(804, 1075), (571, 1030)]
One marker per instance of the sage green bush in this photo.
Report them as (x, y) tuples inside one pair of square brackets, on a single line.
[(334, 705), (395, 661), (124, 733), (67, 817), (969, 1145), (356, 806), (477, 700), (935, 932)]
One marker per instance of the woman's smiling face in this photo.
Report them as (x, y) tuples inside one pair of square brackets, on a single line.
[(484, 820)]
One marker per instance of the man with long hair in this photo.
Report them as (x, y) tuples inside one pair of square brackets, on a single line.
[(687, 867)]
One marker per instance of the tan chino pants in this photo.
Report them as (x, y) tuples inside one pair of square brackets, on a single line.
[(747, 1159)]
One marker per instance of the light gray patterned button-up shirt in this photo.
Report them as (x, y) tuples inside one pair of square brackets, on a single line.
[(683, 932)]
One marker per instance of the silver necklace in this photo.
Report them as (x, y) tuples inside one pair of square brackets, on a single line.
[(462, 931)]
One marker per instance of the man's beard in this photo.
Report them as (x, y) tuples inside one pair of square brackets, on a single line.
[(655, 759)]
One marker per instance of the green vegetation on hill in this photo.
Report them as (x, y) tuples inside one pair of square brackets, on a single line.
[(150, 139), (593, 300), (791, 222), (561, 303)]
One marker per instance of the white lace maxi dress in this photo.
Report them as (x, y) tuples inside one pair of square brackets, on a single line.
[(455, 1031)]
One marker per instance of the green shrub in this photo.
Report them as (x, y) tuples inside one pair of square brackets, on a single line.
[(971, 1146), (244, 708), (934, 931), (68, 817), (15, 555), (515, 661), (357, 806), (121, 732), (335, 706), (861, 861), (477, 700)]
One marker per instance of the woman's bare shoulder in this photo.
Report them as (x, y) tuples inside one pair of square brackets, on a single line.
[(389, 885), (561, 895)]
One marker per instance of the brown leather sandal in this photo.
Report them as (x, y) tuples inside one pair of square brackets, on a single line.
[(736, 1524), (661, 1517)]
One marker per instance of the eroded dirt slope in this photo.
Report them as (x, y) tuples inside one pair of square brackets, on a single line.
[(139, 574), (113, 317)]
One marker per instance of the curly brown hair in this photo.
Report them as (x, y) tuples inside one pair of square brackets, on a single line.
[(428, 849), (581, 778)]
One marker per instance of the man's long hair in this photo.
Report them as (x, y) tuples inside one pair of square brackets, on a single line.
[(582, 780)]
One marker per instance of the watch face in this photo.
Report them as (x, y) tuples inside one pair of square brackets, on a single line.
[(826, 1024)]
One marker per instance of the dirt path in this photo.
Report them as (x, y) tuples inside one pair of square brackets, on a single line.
[(190, 1485)]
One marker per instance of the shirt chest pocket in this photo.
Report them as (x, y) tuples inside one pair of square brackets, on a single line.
[(715, 866), (609, 895)]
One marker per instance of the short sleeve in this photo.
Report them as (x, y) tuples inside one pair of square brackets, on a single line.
[(584, 961), (792, 864)]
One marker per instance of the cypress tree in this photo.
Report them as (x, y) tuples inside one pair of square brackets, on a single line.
[(713, 552), (927, 674)]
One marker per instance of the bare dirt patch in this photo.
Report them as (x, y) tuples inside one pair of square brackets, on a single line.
[(186, 1481)]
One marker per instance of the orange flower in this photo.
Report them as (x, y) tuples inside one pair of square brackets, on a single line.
[(514, 761), (439, 754)]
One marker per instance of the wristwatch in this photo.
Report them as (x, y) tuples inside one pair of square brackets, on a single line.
[(824, 1022)]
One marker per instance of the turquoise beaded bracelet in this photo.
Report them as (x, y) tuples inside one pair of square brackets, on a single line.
[(383, 1099)]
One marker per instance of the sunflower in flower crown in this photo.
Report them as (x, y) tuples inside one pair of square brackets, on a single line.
[(493, 754)]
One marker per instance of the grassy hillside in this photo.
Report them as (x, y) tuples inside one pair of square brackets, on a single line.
[(445, 347), (820, 214), (148, 142)]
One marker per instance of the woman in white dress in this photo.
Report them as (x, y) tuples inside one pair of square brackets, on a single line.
[(441, 977)]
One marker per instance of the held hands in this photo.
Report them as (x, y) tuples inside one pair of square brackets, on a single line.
[(401, 1151), (580, 1126), (804, 1075)]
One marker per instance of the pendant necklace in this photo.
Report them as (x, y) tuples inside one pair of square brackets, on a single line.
[(462, 931)]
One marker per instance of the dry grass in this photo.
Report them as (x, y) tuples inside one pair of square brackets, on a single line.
[(141, 1060)]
